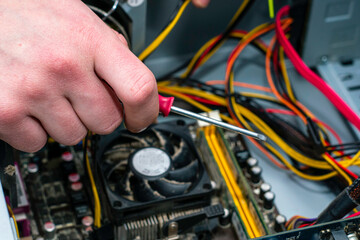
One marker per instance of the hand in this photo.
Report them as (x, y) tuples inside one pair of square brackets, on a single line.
[(201, 3), (63, 71)]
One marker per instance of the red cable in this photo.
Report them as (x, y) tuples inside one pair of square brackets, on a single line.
[(203, 100), (350, 173), (310, 76), (203, 55), (303, 225), (354, 215)]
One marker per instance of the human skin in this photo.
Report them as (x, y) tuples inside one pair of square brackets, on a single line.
[(64, 72)]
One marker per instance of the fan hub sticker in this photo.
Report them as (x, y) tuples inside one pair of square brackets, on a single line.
[(151, 162)]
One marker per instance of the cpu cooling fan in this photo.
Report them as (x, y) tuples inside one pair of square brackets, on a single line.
[(154, 171)]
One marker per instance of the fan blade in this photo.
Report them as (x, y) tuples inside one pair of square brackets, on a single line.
[(123, 185), (182, 156), (142, 192), (117, 177), (165, 142), (185, 174), (167, 188)]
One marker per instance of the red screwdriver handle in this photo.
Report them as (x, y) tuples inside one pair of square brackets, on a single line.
[(165, 104)]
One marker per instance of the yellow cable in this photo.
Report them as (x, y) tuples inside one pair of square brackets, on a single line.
[(250, 116), (176, 91), (97, 212), (159, 39), (206, 45), (196, 57), (286, 76), (231, 183), (239, 11), (338, 169), (13, 217)]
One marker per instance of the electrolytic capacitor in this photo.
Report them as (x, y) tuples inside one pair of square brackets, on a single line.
[(264, 188), (251, 162), (49, 230), (87, 221), (241, 157), (74, 177), (67, 156), (280, 221), (68, 163), (77, 194), (269, 198), (33, 168), (225, 219), (255, 174)]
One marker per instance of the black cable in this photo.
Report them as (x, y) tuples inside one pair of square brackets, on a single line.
[(344, 149), (225, 34), (347, 200), (345, 144)]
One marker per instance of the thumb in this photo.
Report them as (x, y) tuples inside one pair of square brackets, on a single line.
[(133, 83)]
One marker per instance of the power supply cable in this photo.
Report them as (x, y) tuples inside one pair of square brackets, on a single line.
[(97, 206), (347, 200), (159, 39), (14, 219), (309, 75), (238, 16)]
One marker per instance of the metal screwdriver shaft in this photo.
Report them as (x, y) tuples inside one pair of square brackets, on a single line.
[(230, 127)]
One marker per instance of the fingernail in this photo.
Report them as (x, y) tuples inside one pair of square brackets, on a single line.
[(202, 3)]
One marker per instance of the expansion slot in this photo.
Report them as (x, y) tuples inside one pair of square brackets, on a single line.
[(250, 223)]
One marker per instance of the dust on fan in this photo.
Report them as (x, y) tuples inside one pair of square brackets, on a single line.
[(150, 166)]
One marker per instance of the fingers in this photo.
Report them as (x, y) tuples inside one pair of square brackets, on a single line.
[(26, 135), (59, 119), (201, 3), (131, 80), (96, 105)]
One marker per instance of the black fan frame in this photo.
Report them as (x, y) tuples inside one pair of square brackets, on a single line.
[(122, 210)]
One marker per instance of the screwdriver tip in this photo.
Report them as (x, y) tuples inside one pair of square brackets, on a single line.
[(262, 137)]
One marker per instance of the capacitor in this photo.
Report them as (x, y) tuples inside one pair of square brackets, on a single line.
[(241, 157), (269, 198), (73, 177), (280, 221), (87, 221), (225, 219), (251, 162), (68, 165), (264, 188), (76, 186), (49, 230), (33, 168), (77, 194), (255, 174), (67, 156)]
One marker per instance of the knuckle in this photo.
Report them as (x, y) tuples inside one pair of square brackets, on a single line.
[(122, 39), (36, 92), (61, 65), (142, 88)]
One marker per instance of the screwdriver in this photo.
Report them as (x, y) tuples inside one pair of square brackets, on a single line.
[(166, 106)]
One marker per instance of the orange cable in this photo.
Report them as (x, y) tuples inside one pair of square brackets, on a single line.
[(241, 84)]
